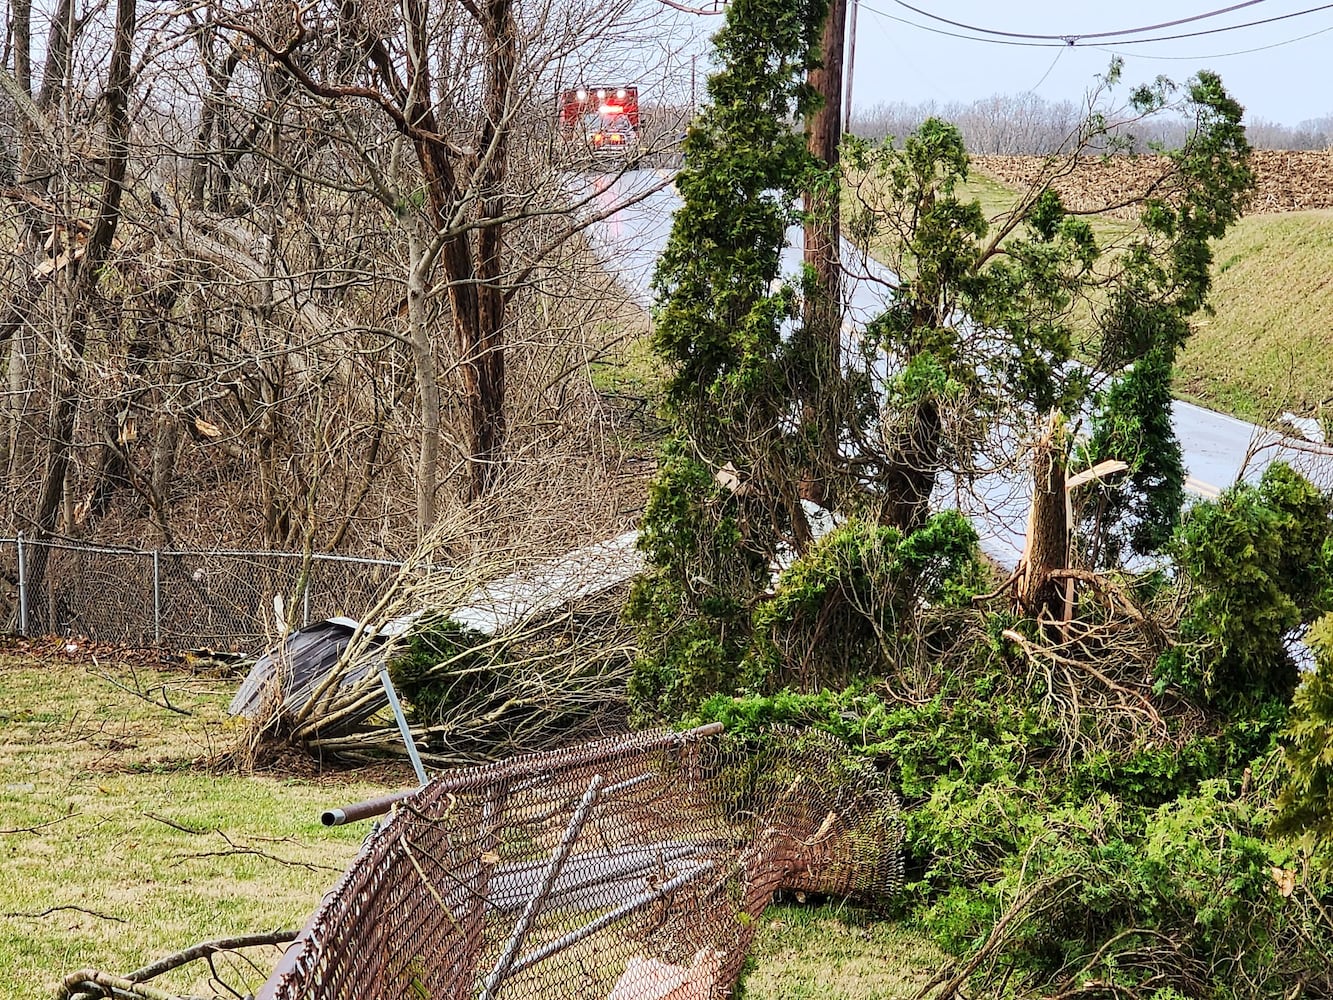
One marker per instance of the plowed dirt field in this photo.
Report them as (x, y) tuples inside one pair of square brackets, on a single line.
[(1285, 180)]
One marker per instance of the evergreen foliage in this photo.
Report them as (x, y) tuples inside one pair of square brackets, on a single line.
[(976, 336), (847, 608), (1064, 850), (1146, 865), (725, 495), (1260, 565), (1305, 807), (1165, 278), (1133, 424)]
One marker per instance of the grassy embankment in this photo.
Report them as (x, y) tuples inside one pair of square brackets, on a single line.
[(1268, 347), (121, 847)]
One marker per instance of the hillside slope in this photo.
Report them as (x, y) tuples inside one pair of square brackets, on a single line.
[(1268, 347)]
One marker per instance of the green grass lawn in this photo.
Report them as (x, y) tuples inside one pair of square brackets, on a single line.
[(833, 953), (121, 846), (97, 786)]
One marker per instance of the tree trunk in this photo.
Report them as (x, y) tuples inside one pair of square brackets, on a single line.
[(428, 389), (84, 272), (489, 426), (1047, 546), (910, 480), (822, 313), (823, 227), (476, 298)]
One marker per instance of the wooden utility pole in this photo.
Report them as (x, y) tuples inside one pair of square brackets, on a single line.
[(823, 226), (851, 69), (822, 313)]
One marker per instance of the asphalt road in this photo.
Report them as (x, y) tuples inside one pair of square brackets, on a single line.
[(1218, 449)]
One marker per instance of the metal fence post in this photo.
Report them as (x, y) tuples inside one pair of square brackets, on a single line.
[(23, 586), (305, 597), (157, 599)]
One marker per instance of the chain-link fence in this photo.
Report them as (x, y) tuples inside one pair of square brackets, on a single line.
[(224, 599), (631, 868)]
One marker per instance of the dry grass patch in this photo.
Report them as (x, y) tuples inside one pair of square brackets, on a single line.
[(120, 846)]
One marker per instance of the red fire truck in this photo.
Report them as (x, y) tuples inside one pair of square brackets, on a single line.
[(600, 120)]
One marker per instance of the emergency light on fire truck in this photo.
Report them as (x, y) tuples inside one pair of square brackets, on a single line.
[(601, 120)]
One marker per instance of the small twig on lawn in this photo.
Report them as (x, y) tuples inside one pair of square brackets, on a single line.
[(180, 826), (56, 909), (239, 849), (39, 826), (139, 692)]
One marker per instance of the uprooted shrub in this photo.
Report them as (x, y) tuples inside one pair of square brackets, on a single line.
[(850, 607)]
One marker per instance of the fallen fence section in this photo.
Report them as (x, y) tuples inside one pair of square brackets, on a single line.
[(631, 868)]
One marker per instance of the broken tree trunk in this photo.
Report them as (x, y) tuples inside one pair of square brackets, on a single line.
[(1047, 546)]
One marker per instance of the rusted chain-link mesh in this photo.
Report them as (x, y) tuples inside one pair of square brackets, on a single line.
[(612, 870)]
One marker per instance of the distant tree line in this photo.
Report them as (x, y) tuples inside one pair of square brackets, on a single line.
[(1015, 124)]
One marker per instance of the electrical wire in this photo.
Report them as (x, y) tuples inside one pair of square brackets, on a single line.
[(1072, 40), (1058, 53), (955, 34), (1094, 34), (1218, 31), (1220, 55)]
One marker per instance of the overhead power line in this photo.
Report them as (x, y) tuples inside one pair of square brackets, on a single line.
[(1082, 34), (955, 34), (1044, 41), (1225, 55), (1231, 27)]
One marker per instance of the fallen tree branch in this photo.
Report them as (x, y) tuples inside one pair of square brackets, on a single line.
[(1033, 650), (235, 849), (205, 949), (179, 826), (38, 826), (950, 985), (57, 909), (106, 984), (140, 692)]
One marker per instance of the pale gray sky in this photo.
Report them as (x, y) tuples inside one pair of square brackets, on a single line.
[(1270, 68), (1286, 83)]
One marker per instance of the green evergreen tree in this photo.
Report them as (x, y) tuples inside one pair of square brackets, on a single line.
[(725, 494), (1259, 564)]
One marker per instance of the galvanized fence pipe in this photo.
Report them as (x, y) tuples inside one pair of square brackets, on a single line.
[(157, 598), (539, 895), (23, 585)]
